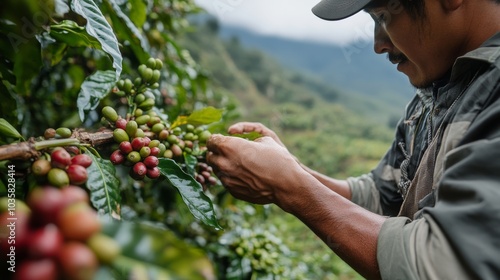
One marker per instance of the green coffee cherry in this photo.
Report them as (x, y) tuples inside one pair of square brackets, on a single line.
[(156, 76), (159, 64), (131, 128), (138, 112), (58, 177), (142, 119), (157, 128), (139, 98), (120, 135), (203, 137), (151, 63), (109, 113), (147, 104), (137, 82), (127, 87), (147, 75), (63, 132), (120, 93), (134, 157), (140, 133), (120, 84), (141, 69)]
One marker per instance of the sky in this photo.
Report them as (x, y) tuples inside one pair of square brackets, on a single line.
[(290, 19)]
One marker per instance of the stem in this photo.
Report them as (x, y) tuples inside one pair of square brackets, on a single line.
[(56, 143)]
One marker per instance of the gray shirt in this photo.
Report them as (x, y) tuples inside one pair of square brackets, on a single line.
[(440, 181)]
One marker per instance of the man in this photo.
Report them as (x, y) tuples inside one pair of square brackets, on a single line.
[(431, 208)]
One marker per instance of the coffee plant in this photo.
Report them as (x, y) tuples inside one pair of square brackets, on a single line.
[(104, 119)]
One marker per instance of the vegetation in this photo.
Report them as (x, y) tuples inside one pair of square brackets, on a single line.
[(105, 111)]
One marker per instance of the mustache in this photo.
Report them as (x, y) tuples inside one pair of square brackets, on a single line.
[(396, 57)]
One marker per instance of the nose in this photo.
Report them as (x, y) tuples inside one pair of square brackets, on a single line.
[(382, 42)]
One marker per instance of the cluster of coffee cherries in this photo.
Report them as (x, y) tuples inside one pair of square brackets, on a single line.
[(56, 235), (261, 248), (142, 136), (149, 77), (61, 168)]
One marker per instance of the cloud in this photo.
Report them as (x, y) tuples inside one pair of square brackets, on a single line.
[(290, 19)]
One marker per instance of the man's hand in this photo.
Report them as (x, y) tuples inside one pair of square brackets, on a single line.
[(260, 171)]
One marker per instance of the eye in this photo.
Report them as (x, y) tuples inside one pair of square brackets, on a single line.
[(379, 16)]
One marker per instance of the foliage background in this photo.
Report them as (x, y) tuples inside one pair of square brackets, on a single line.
[(54, 71)]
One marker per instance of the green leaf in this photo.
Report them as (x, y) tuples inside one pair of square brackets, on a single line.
[(138, 12), (70, 33), (104, 187), (206, 115), (7, 130), (99, 28), (156, 252), (127, 31), (191, 192), (94, 88)]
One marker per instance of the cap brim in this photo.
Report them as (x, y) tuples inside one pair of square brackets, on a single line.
[(338, 9)]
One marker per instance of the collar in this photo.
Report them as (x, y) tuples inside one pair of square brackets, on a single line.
[(488, 53)]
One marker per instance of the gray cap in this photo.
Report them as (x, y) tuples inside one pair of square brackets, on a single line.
[(338, 9)]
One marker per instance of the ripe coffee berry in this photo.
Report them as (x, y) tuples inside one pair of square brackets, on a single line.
[(153, 173), (82, 159), (77, 174), (121, 123), (140, 169), (155, 151), (151, 161), (138, 143), (125, 147), (117, 157), (60, 158)]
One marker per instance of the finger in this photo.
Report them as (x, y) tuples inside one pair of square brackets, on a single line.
[(243, 127), (213, 143)]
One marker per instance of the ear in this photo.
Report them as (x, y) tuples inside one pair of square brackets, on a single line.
[(451, 5)]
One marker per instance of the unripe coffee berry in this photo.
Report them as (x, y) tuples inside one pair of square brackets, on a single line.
[(145, 151), (49, 133), (131, 128), (110, 113), (134, 157), (41, 167), (63, 132), (58, 177), (120, 135)]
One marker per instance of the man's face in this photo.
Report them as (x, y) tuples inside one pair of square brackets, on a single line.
[(424, 48)]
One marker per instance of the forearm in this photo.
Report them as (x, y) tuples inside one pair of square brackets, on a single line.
[(349, 230), (339, 186)]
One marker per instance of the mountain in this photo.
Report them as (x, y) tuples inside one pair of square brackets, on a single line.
[(364, 77)]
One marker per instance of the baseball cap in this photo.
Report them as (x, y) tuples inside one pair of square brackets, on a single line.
[(338, 9)]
